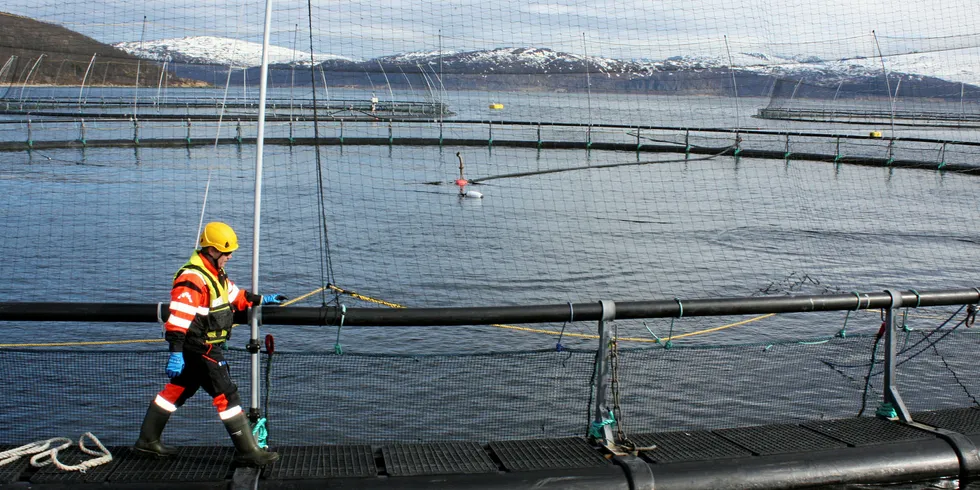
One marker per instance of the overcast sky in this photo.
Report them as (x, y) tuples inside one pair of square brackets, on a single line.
[(649, 29)]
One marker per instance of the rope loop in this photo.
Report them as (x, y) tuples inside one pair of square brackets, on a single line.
[(571, 318), (44, 454), (918, 298), (680, 305), (595, 430), (858, 307)]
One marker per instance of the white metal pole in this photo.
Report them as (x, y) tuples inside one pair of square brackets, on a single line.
[(259, 140)]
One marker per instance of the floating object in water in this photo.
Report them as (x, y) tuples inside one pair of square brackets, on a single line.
[(875, 134), (462, 182), (496, 106), (471, 195)]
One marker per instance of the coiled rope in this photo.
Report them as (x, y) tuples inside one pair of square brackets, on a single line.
[(43, 449)]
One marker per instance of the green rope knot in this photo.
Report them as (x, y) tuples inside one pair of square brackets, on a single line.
[(261, 433), (842, 333), (595, 430), (668, 344), (886, 410)]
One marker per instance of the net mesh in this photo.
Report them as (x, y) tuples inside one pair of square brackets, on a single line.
[(320, 397), (624, 151)]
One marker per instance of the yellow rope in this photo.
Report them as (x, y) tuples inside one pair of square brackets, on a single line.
[(301, 298), (638, 339), (93, 342), (566, 334), (366, 298)]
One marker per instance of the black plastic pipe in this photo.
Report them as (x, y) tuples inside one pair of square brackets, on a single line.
[(405, 317), (911, 461)]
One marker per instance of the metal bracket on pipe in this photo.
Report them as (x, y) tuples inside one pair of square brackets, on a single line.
[(254, 318), (891, 390)]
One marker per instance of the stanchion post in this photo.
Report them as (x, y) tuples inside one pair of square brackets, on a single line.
[(603, 418), (891, 390)]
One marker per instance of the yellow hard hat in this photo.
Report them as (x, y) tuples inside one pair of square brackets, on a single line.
[(219, 236)]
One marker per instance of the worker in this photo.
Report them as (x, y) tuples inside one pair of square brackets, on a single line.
[(202, 305)]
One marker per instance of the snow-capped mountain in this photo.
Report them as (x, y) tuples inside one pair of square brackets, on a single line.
[(217, 50), (695, 72), (952, 66)]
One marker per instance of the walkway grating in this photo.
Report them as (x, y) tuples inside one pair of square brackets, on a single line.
[(10, 472), (962, 420), (539, 454), (868, 431), (443, 458), (779, 439), (304, 462), (192, 463), (674, 447)]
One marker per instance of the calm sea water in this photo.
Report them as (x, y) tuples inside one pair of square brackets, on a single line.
[(100, 225)]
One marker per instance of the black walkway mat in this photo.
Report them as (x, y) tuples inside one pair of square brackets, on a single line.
[(444, 458), (301, 462), (11, 472), (868, 431), (540, 454), (192, 463), (962, 420), (675, 447), (779, 439), (73, 456)]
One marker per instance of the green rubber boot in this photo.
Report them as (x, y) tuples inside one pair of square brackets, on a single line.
[(149, 441), (247, 450)]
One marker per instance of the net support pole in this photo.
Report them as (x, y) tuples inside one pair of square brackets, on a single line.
[(253, 343), (603, 420), (891, 391)]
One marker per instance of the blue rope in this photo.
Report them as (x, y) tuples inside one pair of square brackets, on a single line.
[(670, 333), (261, 433)]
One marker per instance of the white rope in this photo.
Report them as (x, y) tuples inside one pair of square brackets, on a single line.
[(43, 449)]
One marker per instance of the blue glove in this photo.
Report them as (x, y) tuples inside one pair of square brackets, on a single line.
[(175, 364), (273, 299)]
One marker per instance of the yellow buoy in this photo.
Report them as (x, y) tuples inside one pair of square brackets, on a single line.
[(496, 106), (875, 134)]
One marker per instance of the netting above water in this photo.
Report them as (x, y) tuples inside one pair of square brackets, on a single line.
[(688, 228), (324, 398)]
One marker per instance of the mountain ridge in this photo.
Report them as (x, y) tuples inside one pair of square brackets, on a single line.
[(541, 68)]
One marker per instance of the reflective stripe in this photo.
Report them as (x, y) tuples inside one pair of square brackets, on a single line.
[(204, 280), (185, 308), (181, 323), (231, 412), (232, 292), (170, 407)]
